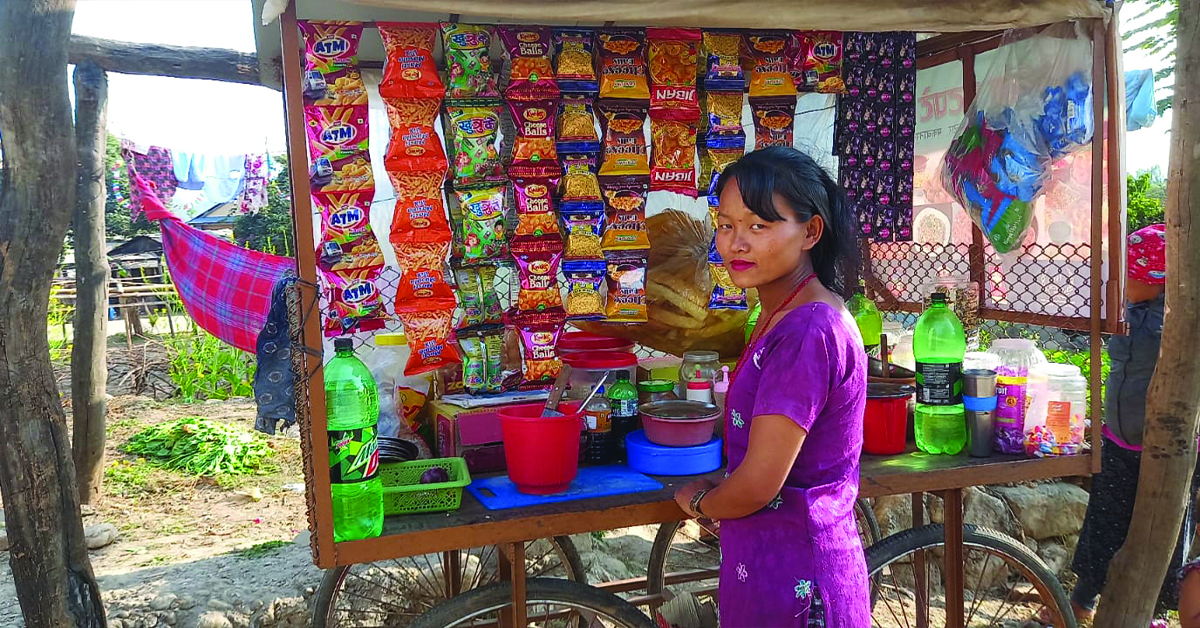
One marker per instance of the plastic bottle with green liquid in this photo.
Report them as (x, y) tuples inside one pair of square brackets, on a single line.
[(623, 400), (352, 412), (870, 321), (939, 345)]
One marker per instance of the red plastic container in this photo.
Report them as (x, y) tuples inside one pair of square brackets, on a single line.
[(583, 342), (542, 452), (885, 425)]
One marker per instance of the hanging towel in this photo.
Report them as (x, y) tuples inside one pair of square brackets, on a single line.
[(225, 288), (223, 177), (273, 379), (1140, 108), (156, 166), (189, 170), (253, 196)]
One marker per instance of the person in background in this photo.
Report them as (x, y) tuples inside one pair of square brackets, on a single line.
[(1133, 358)]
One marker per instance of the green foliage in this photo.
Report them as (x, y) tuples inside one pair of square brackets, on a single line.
[(129, 478), (1145, 208), (262, 549), (204, 367), (1156, 32), (270, 229), (202, 447), (58, 314), (118, 202)]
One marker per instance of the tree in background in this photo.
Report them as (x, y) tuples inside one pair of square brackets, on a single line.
[(1157, 25), (1145, 208), (270, 229)]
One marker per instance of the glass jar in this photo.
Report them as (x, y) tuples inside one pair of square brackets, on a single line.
[(962, 294), (1057, 415), (653, 390), (706, 363), (1017, 356), (980, 360)]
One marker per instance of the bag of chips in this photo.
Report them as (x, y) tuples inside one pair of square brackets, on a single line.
[(721, 114), (410, 71), (534, 153), (468, 68), (414, 145), (349, 174), (626, 288), (585, 289), (535, 208), (576, 68), (774, 121), (336, 132), (539, 339), (493, 344), (474, 131), (347, 241), (483, 232), (429, 345), (537, 272), (530, 73), (577, 125), (355, 303), (821, 62), (713, 161), (419, 206), (330, 45), (674, 164), (469, 297), (579, 182), (726, 295), (772, 73), (722, 65), (625, 206), (423, 280), (623, 64), (584, 226), (340, 88), (492, 312), (624, 139), (673, 56), (474, 366)]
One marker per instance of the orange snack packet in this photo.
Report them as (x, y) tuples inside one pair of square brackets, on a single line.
[(771, 74), (428, 334), (415, 144), (623, 64), (423, 275), (410, 71), (674, 58), (625, 150), (674, 167), (420, 208)]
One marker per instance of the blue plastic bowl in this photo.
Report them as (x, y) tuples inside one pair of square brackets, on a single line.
[(646, 457)]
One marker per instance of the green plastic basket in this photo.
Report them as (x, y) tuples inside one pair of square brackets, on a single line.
[(403, 493)]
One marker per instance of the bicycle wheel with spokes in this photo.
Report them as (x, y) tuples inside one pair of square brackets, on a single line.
[(550, 603), (1005, 584), (392, 593)]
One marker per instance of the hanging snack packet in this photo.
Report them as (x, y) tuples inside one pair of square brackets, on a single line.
[(579, 180), (429, 343), (336, 132), (673, 55), (483, 228), (349, 174), (722, 114), (469, 296), (493, 342), (774, 121), (624, 140), (339, 88), (626, 288), (576, 70), (537, 269), (821, 69), (722, 66), (469, 69), (674, 164), (713, 162), (410, 71), (419, 206), (539, 339), (346, 238), (355, 304), (492, 312), (530, 73), (330, 45), (623, 64), (414, 145), (423, 278), (625, 204), (772, 75), (577, 125), (474, 366), (534, 153), (584, 227), (535, 208), (474, 137), (725, 294), (585, 285)]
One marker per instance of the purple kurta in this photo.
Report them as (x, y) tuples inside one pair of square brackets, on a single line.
[(811, 368)]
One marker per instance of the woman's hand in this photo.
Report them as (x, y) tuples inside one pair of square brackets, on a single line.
[(684, 495)]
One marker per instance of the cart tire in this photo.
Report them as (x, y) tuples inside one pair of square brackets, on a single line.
[(333, 579), (868, 524), (478, 604), (898, 548)]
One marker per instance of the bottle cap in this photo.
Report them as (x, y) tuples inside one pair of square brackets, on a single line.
[(622, 376), (937, 297), (699, 384), (342, 343)]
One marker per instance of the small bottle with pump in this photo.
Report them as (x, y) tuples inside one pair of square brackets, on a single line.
[(699, 389)]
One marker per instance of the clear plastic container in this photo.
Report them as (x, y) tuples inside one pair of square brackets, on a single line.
[(400, 396), (588, 368), (963, 296), (708, 363), (1056, 421), (980, 360), (1017, 356)]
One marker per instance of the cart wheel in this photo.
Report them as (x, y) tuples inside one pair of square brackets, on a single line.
[(1005, 583), (392, 593), (551, 603), (692, 547)]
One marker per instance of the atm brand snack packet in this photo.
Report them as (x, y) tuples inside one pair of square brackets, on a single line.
[(339, 88), (414, 145), (774, 121), (539, 340), (535, 208), (623, 64), (474, 137), (469, 69), (577, 125), (349, 174), (534, 153), (355, 304), (772, 75), (428, 333), (530, 73), (330, 45), (626, 288), (576, 68), (537, 270), (483, 228), (625, 151), (673, 55), (585, 285), (625, 204), (821, 62), (674, 163), (336, 132), (722, 62), (410, 71), (347, 241), (419, 205)]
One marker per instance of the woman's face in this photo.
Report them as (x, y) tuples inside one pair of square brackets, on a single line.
[(758, 252)]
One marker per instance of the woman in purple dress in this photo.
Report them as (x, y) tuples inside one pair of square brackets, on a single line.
[(790, 552)]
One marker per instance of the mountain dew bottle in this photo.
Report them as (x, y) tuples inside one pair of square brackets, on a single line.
[(939, 344), (352, 411), (870, 321)]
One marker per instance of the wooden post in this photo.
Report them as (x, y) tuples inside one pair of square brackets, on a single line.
[(953, 565), (920, 575), (89, 367), (1097, 237), (512, 570)]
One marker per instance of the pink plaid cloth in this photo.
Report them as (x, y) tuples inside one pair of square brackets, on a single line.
[(225, 288)]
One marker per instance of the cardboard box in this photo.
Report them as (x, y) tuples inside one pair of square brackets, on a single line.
[(470, 433)]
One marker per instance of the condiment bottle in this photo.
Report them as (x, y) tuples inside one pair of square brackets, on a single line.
[(598, 417), (699, 389), (720, 389)]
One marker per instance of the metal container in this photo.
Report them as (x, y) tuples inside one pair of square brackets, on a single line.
[(979, 399), (679, 423), (979, 383)]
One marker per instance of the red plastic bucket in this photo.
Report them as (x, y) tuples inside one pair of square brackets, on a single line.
[(885, 424), (542, 452), (582, 342)]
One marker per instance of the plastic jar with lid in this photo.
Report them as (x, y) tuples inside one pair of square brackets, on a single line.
[(652, 390), (707, 363), (1017, 356), (1057, 416)]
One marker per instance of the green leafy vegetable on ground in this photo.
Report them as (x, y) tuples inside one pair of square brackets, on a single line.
[(202, 447)]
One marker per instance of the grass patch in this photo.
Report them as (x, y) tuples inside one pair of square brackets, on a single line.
[(261, 549), (131, 477)]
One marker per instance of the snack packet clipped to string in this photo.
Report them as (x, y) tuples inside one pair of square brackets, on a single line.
[(722, 62), (625, 151), (539, 341), (577, 125), (336, 132), (347, 241), (537, 271), (414, 145), (774, 121), (469, 69), (349, 174), (474, 362), (820, 62), (423, 279), (535, 208), (585, 289), (673, 55), (585, 226), (771, 74), (530, 73), (474, 139), (713, 161), (626, 288), (429, 344), (410, 71), (674, 156), (534, 153), (355, 303), (625, 205), (623, 64), (483, 233), (330, 45), (576, 68), (579, 181), (419, 209), (721, 115), (340, 88)]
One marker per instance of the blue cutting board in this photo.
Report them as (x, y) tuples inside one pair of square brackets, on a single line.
[(499, 493)]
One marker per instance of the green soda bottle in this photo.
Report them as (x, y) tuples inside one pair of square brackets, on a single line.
[(752, 320), (938, 346), (623, 400), (870, 321), (352, 411)]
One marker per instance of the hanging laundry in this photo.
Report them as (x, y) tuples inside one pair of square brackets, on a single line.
[(1140, 109), (189, 170), (155, 165), (253, 196), (223, 177)]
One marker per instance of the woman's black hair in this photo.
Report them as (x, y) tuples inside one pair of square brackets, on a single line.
[(809, 191)]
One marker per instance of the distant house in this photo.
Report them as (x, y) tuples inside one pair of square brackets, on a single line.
[(219, 217)]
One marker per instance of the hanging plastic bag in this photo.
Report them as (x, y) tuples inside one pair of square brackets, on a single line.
[(1033, 107)]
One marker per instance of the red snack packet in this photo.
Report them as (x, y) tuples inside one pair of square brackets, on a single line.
[(674, 59), (429, 343), (410, 71), (530, 73), (336, 132), (774, 121), (624, 140), (355, 304), (537, 269), (821, 62), (534, 153), (330, 45), (347, 241), (539, 341), (415, 145), (674, 165), (423, 278), (772, 73), (623, 64), (535, 208), (625, 204), (420, 209)]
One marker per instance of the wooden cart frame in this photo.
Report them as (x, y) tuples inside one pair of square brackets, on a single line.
[(473, 526)]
